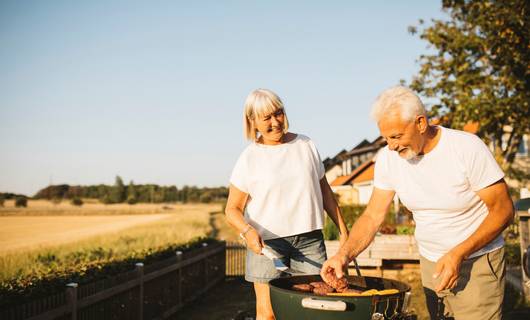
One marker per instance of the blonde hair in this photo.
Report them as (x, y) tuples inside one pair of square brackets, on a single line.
[(398, 98), (259, 103)]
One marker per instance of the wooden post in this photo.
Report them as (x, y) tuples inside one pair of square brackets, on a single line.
[(140, 270), (206, 280), (524, 233), (71, 298), (179, 281)]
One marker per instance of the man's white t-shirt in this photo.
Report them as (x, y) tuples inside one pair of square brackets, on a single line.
[(283, 183), (440, 189)]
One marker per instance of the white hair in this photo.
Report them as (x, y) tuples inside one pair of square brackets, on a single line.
[(398, 99), (261, 102)]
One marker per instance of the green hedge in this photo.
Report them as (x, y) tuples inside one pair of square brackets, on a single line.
[(23, 289), (350, 214)]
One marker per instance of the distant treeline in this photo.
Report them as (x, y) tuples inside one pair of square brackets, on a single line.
[(8, 195), (134, 193)]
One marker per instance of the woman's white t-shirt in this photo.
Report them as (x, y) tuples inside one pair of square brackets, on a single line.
[(283, 183), (440, 188)]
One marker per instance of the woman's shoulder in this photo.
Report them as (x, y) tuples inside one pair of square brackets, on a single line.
[(300, 137)]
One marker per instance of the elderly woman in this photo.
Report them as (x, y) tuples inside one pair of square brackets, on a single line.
[(279, 179)]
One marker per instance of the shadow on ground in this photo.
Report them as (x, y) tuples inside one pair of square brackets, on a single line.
[(232, 299)]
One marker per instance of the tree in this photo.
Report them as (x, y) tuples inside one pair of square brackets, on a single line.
[(480, 70), (76, 201), (117, 194), (132, 195), (21, 202)]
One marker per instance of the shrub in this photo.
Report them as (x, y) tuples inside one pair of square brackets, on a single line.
[(2, 200), (205, 198), (57, 200), (512, 253), (132, 200), (404, 229), (21, 202), (77, 202), (330, 231), (350, 214)]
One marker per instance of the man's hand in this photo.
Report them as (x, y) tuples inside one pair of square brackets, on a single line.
[(446, 271), (334, 266), (342, 239)]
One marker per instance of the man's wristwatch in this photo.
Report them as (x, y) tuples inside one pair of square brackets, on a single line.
[(245, 231)]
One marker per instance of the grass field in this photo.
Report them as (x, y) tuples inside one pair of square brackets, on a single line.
[(94, 207), (52, 240)]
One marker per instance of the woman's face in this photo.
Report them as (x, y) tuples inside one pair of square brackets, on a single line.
[(271, 126)]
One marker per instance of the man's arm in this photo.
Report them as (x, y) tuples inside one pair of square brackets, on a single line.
[(362, 232), (500, 214), (333, 209)]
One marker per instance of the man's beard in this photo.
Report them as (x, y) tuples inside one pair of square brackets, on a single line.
[(408, 154)]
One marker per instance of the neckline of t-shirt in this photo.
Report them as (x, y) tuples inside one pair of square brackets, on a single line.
[(438, 145), (277, 146)]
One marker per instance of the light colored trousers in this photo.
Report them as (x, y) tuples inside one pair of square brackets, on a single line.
[(479, 291)]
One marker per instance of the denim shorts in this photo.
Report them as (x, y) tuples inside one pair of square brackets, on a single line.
[(304, 253)]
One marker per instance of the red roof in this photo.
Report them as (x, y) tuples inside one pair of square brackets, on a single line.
[(364, 172)]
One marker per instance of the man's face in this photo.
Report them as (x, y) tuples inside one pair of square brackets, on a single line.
[(404, 137)]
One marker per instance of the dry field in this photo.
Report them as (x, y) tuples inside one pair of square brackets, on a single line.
[(26, 232), (53, 239), (94, 207)]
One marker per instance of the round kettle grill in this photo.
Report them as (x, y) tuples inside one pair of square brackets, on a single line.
[(290, 304)]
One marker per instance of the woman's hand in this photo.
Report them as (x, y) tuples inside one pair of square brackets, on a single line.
[(254, 241)]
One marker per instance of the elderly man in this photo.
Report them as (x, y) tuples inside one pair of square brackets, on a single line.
[(460, 203)]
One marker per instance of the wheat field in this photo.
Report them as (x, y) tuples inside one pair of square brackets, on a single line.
[(54, 240)]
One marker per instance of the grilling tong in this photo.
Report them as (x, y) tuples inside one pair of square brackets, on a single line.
[(280, 266)]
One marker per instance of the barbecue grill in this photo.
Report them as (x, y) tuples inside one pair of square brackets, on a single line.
[(290, 304)]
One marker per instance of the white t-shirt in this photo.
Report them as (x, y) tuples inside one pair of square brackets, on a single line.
[(283, 182), (440, 190)]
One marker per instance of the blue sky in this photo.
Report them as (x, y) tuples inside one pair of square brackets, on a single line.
[(153, 91)]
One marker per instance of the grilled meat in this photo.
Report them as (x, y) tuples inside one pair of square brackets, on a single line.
[(304, 287)]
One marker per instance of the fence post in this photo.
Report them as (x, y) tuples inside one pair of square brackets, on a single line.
[(206, 280), (71, 298), (179, 281), (140, 270)]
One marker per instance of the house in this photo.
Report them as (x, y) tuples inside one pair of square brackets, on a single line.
[(351, 173)]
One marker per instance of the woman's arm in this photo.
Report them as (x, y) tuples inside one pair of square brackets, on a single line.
[(235, 206), (333, 209)]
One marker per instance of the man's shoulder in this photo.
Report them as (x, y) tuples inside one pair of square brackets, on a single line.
[(462, 140), (460, 135)]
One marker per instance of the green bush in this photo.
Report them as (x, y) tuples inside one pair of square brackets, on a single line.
[(43, 283), (132, 200), (350, 214), (404, 229), (330, 231), (77, 202), (21, 202), (512, 253)]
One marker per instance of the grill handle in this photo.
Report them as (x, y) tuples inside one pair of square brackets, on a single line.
[(328, 305)]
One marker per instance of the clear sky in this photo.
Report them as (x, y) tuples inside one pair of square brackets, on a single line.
[(153, 91)]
